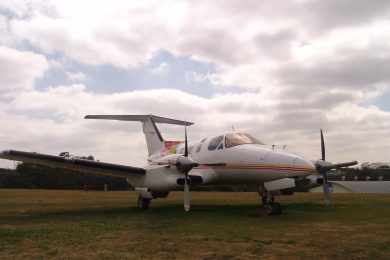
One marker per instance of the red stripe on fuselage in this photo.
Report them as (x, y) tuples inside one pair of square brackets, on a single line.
[(258, 167)]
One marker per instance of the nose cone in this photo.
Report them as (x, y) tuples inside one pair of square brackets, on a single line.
[(300, 162), (295, 163)]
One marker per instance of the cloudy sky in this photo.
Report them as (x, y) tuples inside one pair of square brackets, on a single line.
[(278, 69)]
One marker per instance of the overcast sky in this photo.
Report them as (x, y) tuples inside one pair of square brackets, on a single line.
[(280, 70)]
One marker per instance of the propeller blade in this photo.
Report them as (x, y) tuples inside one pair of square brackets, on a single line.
[(325, 186), (337, 166), (187, 195), (324, 171), (185, 166), (185, 142), (322, 146), (323, 167), (345, 164), (327, 194)]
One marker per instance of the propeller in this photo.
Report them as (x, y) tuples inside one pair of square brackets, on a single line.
[(323, 167), (185, 165)]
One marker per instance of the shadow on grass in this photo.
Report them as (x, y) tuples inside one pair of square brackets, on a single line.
[(168, 211), (161, 210), (309, 207)]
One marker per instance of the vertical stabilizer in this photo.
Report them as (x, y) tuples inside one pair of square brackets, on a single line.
[(154, 139)]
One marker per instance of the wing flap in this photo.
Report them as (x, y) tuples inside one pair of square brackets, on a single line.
[(85, 166)]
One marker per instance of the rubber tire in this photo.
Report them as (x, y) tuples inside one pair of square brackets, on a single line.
[(143, 203), (273, 209), (264, 200)]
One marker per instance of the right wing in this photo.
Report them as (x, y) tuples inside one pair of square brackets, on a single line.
[(80, 165)]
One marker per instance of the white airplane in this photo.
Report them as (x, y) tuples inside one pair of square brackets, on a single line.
[(229, 158)]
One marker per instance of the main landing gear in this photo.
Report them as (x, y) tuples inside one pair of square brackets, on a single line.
[(269, 204), (143, 203), (145, 197)]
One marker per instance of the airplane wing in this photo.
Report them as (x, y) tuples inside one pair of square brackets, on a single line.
[(80, 165)]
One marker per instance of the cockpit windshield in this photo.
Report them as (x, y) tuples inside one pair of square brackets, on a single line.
[(235, 139)]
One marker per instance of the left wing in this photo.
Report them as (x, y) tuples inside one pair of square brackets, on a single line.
[(80, 165)]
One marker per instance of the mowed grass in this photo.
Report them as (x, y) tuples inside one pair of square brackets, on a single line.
[(44, 224)]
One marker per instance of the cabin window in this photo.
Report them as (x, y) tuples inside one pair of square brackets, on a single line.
[(235, 139), (214, 143)]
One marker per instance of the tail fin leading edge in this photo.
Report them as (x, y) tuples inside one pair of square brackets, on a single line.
[(154, 139)]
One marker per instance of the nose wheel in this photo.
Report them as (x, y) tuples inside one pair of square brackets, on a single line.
[(269, 204), (143, 203), (273, 208)]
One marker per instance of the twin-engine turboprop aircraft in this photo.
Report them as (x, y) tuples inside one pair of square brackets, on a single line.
[(229, 158)]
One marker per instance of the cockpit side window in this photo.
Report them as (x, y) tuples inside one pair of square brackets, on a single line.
[(235, 139), (190, 148), (214, 143), (199, 147)]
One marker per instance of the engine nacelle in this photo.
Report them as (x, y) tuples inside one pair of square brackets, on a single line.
[(280, 184), (170, 159), (192, 179), (308, 182)]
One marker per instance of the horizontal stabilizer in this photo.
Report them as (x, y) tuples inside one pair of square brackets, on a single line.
[(141, 118)]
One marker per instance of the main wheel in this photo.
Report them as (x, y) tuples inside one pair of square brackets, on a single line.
[(273, 208), (265, 201), (143, 203)]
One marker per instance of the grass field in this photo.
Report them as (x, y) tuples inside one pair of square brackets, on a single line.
[(43, 224)]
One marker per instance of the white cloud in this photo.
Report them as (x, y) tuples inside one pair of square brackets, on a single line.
[(248, 42), (301, 65), (76, 76), (193, 76), (19, 69), (5, 35), (52, 122), (161, 69)]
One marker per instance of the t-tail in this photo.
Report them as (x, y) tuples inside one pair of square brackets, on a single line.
[(154, 139)]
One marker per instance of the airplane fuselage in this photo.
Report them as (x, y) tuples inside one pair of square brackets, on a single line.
[(247, 161), (231, 158)]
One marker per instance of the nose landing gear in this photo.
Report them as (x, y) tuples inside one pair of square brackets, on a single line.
[(268, 203), (143, 203), (273, 208)]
